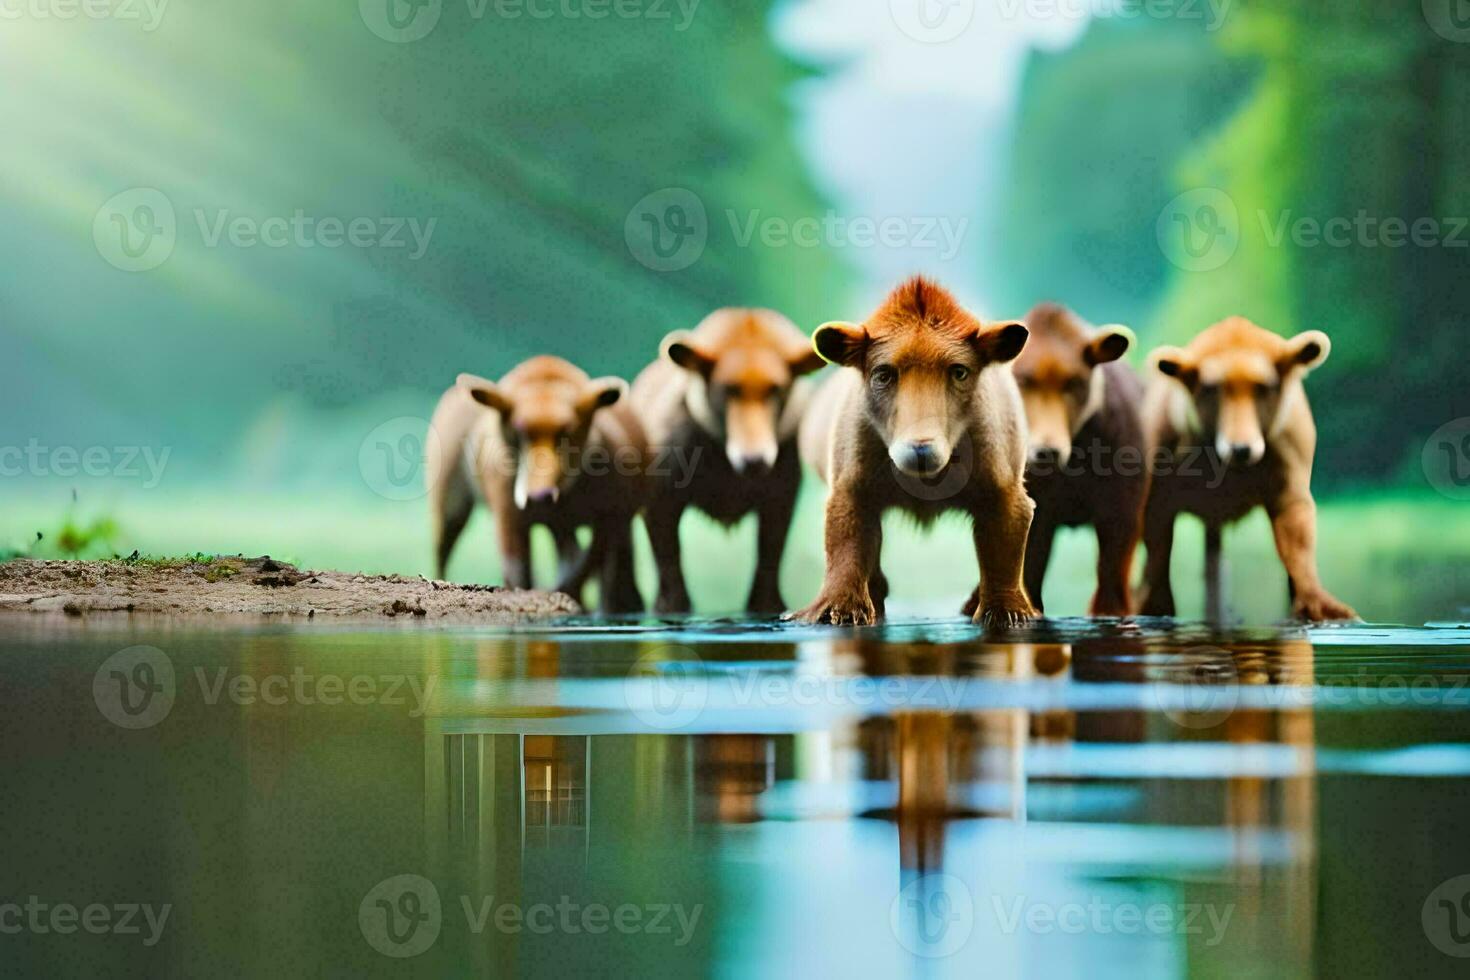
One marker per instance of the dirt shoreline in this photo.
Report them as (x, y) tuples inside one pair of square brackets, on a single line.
[(258, 588)]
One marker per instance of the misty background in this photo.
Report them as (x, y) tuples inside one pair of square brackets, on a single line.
[(247, 246)]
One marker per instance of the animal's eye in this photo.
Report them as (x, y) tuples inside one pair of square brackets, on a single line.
[(884, 376), (958, 372)]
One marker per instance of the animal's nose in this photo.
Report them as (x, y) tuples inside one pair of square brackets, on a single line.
[(546, 495), (1240, 452), (751, 464), (1045, 455), (924, 454)]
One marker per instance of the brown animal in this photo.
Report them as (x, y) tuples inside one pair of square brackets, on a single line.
[(721, 404), (927, 418), (544, 445), (1086, 463), (1232, 431)]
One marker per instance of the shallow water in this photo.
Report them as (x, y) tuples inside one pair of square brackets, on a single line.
[(734, 799)]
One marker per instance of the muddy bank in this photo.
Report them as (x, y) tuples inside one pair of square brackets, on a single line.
[(234, 586)]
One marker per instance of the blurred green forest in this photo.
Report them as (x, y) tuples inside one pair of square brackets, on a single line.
[(526, 140), (1295, 109)]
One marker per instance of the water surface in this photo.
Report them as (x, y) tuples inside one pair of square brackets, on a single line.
[(734, 799)]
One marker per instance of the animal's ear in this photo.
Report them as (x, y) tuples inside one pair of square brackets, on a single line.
[(1306, 350), (1108, 344), (679, 347), (600, 393), (1175, 363), (841, 343), (485, 392), (997, 343)]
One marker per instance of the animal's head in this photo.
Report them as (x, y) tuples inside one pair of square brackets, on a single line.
[(1242, 380), (745, 363), (546, 407), (1060, 384), (921, 355)]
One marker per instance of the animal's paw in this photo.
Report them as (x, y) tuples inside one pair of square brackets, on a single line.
[(972, 604), (1157, 603), (840, 608), (671, 603), (765, 602), (1320, 607), (1004, 610), (1114, 606)]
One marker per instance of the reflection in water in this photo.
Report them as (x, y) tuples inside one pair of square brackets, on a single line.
[(959, 825)]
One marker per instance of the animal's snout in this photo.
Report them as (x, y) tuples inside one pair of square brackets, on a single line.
[(1236, 453), (1045, 455), (750, 464), (919, 457)]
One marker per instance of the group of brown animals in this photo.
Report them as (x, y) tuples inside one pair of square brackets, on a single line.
[(1027, 426)]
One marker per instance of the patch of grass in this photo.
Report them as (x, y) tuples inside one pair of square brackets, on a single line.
[(219, 572), (167, 561)]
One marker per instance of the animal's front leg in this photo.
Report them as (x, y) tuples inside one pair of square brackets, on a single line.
[(853, 535), (1294, 524), (1001, 529), (1038, 555), (1115, 546), (775, 523), (1158, 538), (619, 590), (515, 548), (661, 520), (575, 564)]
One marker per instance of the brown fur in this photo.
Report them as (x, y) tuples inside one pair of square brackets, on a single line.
[(1235, 396), (721, 404), (926, 418), (1086, 461), (545, 445)]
